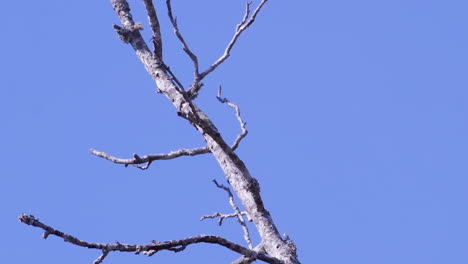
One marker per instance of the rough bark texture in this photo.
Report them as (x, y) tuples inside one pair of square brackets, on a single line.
[(246, 187), (272, 248)]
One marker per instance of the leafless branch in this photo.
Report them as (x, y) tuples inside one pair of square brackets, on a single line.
[(102, 257), (148, 159), (222, 216), (243, 124), (243, 25), (238, 213), (174, 78), (186, 48), (246, 260), (148, 249), (154, 23)]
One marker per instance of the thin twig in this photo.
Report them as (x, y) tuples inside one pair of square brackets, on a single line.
[(186, 48), (148, 159), (222, 216), (243, 25), (174, 78), (172, 245), (240, 218), (243, 124)]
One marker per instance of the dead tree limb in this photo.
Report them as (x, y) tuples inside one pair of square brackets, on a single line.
[(222, 216), (147, 249), (243, 25), (273, 248), (240, 217), (148, 159), (238, 176), (196, 85), (243, 124)]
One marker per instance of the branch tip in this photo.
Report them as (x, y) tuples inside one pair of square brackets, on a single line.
[(243, 25)]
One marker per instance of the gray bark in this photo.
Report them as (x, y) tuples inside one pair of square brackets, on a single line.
[(238, 176)]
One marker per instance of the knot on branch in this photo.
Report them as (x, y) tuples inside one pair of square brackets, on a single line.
[(192, 93), (291, 245), (253, 186), (125, 32)]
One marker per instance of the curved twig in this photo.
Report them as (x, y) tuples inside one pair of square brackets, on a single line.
[(243, 124)]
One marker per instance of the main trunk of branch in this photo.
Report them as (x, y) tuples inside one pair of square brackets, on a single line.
[(237, 174)]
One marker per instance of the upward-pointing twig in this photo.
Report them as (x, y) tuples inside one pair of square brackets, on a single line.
[(240, 217), (186, 48), (154, 23), (243, 25), (243, 124)]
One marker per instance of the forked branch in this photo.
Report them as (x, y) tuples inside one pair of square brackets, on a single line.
[(147, 249), (243, 25), (240, 217), (186, 48), (148, 159)]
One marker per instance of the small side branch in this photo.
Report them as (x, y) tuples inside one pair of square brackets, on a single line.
[(148, 249), (246, 260), (196, 82), (222, 216), (243, 25), (154, 23), (102, 257), (148, 159), (243, 124), (237, 212)]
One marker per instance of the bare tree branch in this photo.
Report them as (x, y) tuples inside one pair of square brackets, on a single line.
[(148, 159), (149, 249), (243, 25), (102, 257), (154, 23), (168, 69), (247, 260), (240, 217), (243, 124), (222, 216), (193, 57), (237, 174)]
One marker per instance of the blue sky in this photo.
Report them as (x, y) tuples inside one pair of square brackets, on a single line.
[(357, 113)]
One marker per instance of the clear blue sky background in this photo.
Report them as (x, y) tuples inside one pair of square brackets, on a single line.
[(357, 112)]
